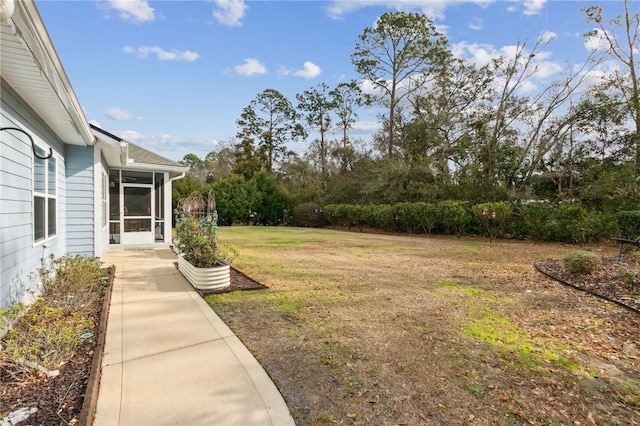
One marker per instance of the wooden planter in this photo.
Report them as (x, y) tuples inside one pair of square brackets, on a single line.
[(213, 278)]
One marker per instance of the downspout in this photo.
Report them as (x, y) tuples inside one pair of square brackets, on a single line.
[(169, 223)]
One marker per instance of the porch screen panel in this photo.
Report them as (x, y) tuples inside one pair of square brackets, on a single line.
[(159, 206), (114, 206)]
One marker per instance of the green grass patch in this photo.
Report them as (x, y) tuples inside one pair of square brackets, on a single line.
[(226, 298), (287, 305), (495, 329), (474, 390), (469, 291)]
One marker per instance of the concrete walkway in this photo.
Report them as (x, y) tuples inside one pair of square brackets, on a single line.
[(170, 360)]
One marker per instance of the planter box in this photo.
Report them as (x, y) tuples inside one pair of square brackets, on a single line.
[(213, 278)]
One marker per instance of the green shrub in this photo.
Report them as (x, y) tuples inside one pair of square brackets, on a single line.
[(196, 240), (426, 214), (307, 215), (383, 217), (342, 214), (534, 217), (71, 282), (630, 276), (597, 226), (454, 216), (503, 215), (354, 216), (48, 333), (629, 224), (331, 214), (46, 336), (369, 215), (405, 217), (580, 262), (566, 224)]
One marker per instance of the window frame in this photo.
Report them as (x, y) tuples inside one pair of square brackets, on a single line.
[(105, 198), (45, 195)]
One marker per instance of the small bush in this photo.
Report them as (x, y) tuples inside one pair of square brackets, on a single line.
[(580, 262), (71, 282), (631, 276), (48, 333), (46, 336)]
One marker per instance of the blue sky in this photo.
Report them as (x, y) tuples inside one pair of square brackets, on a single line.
[(174, 76)]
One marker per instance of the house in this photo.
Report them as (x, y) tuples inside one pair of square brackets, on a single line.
[(66, 186)]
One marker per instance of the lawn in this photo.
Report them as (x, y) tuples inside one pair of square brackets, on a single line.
[(374, 329)]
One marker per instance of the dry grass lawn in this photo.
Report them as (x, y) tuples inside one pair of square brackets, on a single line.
[(376, 329)]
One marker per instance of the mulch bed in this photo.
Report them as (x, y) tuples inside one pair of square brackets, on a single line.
[(606, 282), (239, 282), (70, 397)]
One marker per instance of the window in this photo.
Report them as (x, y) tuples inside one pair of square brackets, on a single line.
[(45, 200)]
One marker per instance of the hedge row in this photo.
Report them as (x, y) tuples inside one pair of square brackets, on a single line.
[(629, 224), (540, 221)]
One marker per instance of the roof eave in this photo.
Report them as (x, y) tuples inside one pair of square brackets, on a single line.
[(53, 97)]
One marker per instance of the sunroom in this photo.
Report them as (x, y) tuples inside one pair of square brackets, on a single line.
[(138, 193)]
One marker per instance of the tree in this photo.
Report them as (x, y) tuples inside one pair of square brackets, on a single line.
[(516, 128), (271, 121), (621, 36), (317, 105), (197, 168), (346, 98), (438, 135), (397, 56), (300, 179), (215, 165), (234, 199), (600, 121), (222, 163), (270, 201), (248, 159)]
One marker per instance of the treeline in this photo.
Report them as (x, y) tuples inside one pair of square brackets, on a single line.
[(555, 165), (538, 221), (568, 223)]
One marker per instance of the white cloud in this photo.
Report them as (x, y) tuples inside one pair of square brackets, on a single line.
[(483, 54), (230, 12), (547, 69), (366, 127), (130, 136), (596, 41), (534, 7), (548, 36), (161, 54), (173, 147), (283, 71), (434, 9), (476, 24), (251, 66), (116, 113), (309, 71), (478, 53), (136, 11)]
